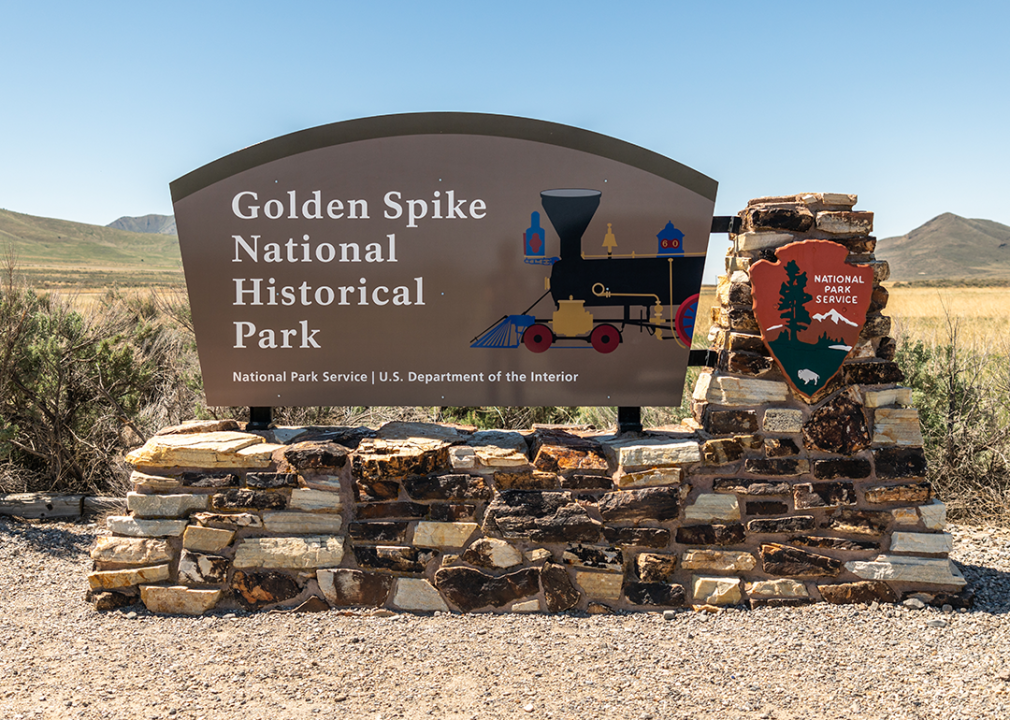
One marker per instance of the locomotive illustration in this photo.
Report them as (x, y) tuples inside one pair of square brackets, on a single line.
[(597, 299)]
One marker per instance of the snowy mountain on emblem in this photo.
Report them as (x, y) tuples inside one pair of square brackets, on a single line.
[(835, 317)]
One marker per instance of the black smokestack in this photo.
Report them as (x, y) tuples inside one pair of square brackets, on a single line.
[(570, 212)]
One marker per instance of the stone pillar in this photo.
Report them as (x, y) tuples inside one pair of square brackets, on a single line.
[(832, 488)]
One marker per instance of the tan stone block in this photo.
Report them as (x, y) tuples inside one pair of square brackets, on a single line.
[(126, 525), (727, 390), (495, 457), (903, 568), (301, 523), (528, 606), (113, 579), (783, 421), (452, 535), (708, 590), (204, 539), (842, 222), (650, 478), (913, 543), (463, 458), (179, 599), (631, 455), (311, 500), (718, 560), (153, 483), (203, 450), (905, 516), (604, 586), (777, 588), (896, 426), (256, 456), (934, 515), (165, 506), (712, 507), (131, 551), (537, 555), (417, 594), (890, 396), (290, 552), (753, 241)]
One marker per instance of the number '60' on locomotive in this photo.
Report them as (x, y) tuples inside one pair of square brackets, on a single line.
[(597, 299)]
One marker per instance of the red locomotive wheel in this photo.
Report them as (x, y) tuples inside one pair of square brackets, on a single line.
[(538, 338), (605, 338), (687, 313)]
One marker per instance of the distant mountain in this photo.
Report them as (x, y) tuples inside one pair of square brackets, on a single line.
[(949, 247), (57, 253), (161, 224)]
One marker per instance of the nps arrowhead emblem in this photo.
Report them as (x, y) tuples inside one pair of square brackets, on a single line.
[(810, 306)]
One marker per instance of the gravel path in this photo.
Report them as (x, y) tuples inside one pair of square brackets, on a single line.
[(61, 659)]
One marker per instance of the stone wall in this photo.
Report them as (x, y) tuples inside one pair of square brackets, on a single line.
[(763, 499)]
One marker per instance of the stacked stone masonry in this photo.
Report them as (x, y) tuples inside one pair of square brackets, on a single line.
[(762, 499)]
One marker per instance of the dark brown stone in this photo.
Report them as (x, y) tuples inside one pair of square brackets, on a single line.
[(779, 602), (780, 447), (862, 592), (378, 532), (859, 522), (248, 500), (824, 494), (784, 561), (838, 426), (358, 588), (964, 599), (831, 543), (637, 536), (876, 325), (559, 592), (373, 489), (271, 480), (455, 487), (348, 437), (655, 567), (731, 422), (540, 516), (108, 600), (312, 605), (897, 463), (795, 219), (732, 534), (524, 479), (776, 466), (594, 557), (659, 594), (395, 559), (873, 373), (796, 523), (860, 245), (442, 512), (909, 493), (564, 460), (579, 481), (209, 480), (482, 554), (658, 503), (200, 569), (391, 511), (744, 363), (469, 589), (720, 452), (738, 318), (887, 348), (878, 300), (743, 486), (255, 589), (562, 438), (740, 294), (765, 507), (316, 457), (854, 468)]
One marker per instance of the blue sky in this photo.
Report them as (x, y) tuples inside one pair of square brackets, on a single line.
[(903, 103)]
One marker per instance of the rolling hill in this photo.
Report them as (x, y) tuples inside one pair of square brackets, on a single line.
[(949, 247), (162, 224), (59, 253)]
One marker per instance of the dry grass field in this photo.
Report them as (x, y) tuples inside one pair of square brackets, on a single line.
[(982, 315)]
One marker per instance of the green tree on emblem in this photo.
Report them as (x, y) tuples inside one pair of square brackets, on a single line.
[(792, 298)]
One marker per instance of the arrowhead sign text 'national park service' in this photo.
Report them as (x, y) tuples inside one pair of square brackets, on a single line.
[(811, 306)]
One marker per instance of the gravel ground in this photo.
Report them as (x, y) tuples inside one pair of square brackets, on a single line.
[(61, 659)]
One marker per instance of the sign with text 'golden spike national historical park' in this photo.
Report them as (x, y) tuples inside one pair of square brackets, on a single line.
[(444, 259), (811, 306)]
